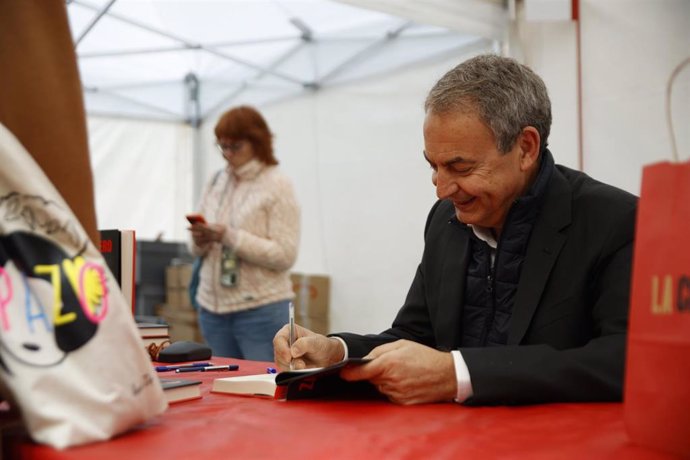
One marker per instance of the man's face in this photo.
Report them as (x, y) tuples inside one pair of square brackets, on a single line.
[(469, 170)]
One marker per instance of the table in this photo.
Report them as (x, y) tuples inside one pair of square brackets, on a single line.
[(221, 426)]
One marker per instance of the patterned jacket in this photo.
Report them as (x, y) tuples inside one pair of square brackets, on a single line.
[(258, 206)]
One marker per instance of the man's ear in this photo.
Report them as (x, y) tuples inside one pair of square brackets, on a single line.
[(529, 141)]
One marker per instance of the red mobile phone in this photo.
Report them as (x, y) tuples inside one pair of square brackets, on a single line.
[(195, 219)]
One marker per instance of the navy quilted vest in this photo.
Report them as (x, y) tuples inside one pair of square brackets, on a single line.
[(490, 291)]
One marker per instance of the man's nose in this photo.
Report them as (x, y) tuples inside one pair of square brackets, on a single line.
[(444, 187)]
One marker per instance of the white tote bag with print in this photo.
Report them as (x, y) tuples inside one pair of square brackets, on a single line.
[(71, 358)]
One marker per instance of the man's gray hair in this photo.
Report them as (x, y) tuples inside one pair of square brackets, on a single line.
[(507, 96)]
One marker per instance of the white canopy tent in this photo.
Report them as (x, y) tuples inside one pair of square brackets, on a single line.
[(185, 60)]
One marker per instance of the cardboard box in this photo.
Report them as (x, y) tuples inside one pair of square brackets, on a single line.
[(312, 295), (171, 278), (318, 325), (183, 324), (178, 298), (178, 276)]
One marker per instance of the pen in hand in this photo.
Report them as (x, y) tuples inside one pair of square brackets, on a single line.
[(291, 339)]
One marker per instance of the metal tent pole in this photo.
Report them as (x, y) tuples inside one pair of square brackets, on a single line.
[(193, 118)]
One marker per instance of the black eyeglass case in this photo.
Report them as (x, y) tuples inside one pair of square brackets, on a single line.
[(184, 351)]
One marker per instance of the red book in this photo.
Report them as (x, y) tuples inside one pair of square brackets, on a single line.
[(119, 249)]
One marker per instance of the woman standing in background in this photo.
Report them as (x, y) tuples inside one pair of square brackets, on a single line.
[(248, 242)]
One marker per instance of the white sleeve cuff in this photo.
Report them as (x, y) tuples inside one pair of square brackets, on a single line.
[(462, 375), (344, 345)]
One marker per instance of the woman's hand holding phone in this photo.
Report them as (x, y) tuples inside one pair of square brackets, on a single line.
[(198, 229), (204, 233)]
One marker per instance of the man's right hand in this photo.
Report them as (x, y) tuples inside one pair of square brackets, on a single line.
[(309, 350)]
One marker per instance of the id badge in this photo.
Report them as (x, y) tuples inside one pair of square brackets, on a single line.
[(229, 268)]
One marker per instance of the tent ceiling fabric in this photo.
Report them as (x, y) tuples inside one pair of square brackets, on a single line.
[(486, 18), (184, 60)]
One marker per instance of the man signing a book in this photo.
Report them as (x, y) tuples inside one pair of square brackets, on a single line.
[(521, 295)]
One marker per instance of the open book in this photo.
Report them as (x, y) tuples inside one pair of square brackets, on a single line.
[(322, 383), (257, 385)]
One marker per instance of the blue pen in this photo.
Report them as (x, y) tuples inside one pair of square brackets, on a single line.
[(180, 366), (271, 370), (227, 367)]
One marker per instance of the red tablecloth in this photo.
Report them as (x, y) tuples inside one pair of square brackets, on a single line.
[(220, 426)]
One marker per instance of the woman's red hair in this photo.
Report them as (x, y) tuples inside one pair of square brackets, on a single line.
[(246, 123)]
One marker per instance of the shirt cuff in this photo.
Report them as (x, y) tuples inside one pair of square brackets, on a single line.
[(345, 356), (462, 375)]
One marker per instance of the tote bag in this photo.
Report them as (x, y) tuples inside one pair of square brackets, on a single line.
[(71, 359), (657, 385)]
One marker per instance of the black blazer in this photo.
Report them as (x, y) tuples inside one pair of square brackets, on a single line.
[(567, 334)]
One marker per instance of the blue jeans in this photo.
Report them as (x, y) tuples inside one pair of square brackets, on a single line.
[(246, 334)]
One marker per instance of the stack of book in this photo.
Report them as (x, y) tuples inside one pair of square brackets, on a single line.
[(154, 334)]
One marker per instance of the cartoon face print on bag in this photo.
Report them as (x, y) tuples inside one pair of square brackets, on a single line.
[(50, 302)]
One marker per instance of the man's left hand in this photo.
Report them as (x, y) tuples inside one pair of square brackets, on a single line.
[(408, 373)]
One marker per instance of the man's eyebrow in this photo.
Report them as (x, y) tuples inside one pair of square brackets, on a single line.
[(452, 161)]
